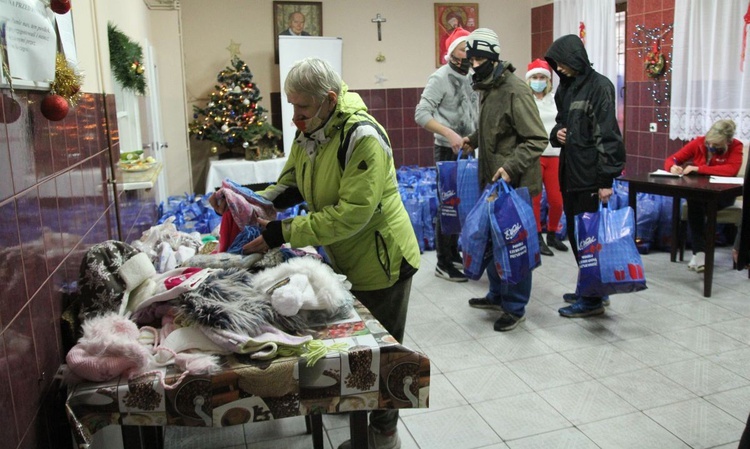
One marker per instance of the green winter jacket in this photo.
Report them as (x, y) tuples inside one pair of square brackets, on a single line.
[(355, 208), (510, 133)]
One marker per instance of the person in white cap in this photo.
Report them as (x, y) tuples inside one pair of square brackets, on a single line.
[(448, 109), (510, 137), (539, 78)]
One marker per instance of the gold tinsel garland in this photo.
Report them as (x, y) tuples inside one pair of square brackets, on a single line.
[(67, 81)]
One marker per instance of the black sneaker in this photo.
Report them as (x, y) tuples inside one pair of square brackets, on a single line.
[(572, 298), (556, 243), (508, 322), (543, 248), (450, 273), (457, 261), (483, 303)]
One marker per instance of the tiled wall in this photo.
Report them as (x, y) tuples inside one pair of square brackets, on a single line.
[(55, 202), (542, 25), (394, 109), (646, 150)]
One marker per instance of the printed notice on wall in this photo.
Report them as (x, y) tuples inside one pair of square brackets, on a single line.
[(30, 39)]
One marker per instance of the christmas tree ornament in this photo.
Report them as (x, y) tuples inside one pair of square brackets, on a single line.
[(245, 145), (656, 66), (246, 102), (214, 149), (225, 128), (54, 107), (11, 109), (60, 6)]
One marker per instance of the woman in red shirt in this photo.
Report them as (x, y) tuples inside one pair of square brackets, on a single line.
[(717, 153)]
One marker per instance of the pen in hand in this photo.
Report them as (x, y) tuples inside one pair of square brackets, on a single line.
[(676, 167)]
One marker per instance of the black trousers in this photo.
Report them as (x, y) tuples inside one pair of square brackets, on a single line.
[(446, 245)]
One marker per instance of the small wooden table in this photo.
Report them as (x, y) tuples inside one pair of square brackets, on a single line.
[(691, 187)]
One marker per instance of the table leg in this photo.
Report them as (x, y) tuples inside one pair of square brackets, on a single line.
[(358, 429), (675, 228), (634, 206), (316, 421), (708, 273)]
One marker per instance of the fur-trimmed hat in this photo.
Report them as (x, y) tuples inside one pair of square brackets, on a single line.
[(451, 42), (538, 66), (483, 43)]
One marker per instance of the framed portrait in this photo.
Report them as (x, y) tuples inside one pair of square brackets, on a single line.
[(296, 19), (449, 16)]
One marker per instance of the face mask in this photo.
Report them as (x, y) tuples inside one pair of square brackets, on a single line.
[(312, 123), (483, 71), (538, 85), (463, 65), (712, 149)]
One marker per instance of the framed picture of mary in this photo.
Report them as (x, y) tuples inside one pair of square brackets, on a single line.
[(449, 16)]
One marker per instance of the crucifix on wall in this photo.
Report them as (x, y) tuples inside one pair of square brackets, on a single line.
[(379, 20)]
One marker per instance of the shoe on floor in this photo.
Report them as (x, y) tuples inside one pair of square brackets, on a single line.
[(450, 273), (377, 440), (483, 303), (697, 262), (572, 298), (543, 248), (554, 242), (508, 322), (457, 261), (581, 310)]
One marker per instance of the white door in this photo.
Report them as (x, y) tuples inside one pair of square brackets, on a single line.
[(153, 141)]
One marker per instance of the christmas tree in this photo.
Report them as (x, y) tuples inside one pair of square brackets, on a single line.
[(233, 119)]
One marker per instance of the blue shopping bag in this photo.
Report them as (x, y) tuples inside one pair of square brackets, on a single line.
[(515, 243), (467, 185), (608, 259), (475, 235)]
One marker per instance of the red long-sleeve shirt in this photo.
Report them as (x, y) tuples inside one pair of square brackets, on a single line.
[(726, 164)]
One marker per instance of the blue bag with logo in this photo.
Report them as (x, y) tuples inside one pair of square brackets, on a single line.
[(515, 243), (475, 235), (608, 259), (467, 185)]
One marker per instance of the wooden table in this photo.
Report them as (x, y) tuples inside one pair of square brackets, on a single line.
[(375, 372), (691, 187)]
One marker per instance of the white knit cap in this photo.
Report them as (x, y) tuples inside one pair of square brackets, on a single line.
[(483, 43)]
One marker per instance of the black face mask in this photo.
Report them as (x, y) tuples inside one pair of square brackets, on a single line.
[(462, 66), (483, 71)]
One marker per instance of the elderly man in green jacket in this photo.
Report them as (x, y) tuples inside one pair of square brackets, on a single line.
[(511, 137), (341, 164)]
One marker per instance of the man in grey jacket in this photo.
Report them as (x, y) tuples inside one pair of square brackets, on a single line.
[(448, 108)]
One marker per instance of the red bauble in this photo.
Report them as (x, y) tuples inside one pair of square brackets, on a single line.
[(60, 6), (11, 110), (55, 107)]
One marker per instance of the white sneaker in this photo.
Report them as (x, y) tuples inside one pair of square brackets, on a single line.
[(697, 262)]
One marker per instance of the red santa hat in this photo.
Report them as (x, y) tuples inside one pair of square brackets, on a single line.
[(451, 42), (538, 66)]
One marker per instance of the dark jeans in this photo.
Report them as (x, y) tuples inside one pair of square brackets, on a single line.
[(446, 246), (696, 215), (575, 203), (388, 306)]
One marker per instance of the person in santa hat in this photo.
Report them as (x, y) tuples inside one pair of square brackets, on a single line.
[(448, 108), (539, 78)]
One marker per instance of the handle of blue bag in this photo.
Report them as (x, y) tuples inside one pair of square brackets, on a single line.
[(506, 187)]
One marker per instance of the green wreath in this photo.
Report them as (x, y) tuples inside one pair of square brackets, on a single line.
[(126, 60)]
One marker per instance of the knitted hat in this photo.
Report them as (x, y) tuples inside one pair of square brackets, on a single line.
[(538, 66), (483, 43), (456, 37)]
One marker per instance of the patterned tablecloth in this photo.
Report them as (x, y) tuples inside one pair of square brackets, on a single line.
[(375, 372)]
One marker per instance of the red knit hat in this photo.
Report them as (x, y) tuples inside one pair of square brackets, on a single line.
[(539, 66), (451, 42)]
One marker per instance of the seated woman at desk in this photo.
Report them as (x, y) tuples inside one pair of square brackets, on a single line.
[(717, 153)]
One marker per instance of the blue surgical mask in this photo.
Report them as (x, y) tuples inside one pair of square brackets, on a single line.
[(538, 85)]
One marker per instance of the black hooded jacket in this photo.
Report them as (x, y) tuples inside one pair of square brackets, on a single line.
[(593, 154)]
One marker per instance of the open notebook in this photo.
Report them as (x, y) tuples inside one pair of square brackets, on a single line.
[(661, 172)]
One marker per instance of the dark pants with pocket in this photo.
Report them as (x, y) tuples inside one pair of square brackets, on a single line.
[(388, 306)]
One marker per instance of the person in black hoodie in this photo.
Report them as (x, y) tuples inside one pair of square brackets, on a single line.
[(592, 152)]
